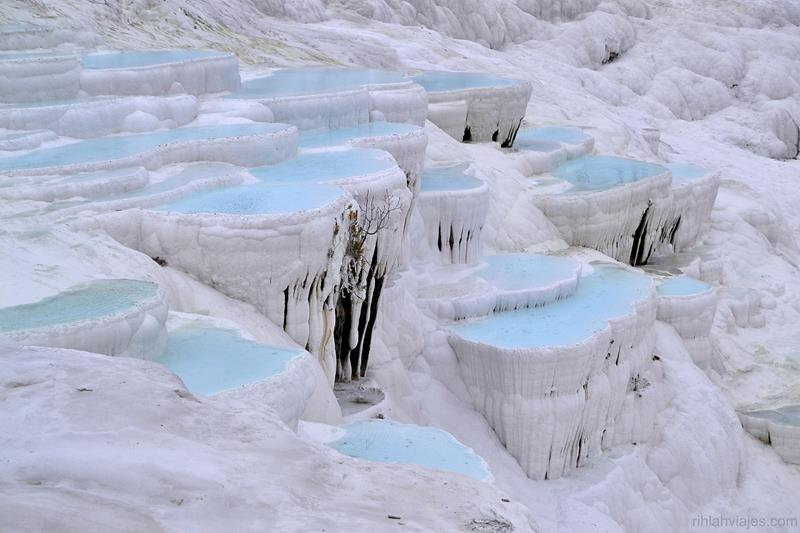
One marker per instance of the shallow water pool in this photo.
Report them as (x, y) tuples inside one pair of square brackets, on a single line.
[(386, 441)]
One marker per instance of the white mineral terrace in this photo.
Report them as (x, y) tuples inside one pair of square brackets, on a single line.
[(297, 197), (114, 317), (476, 107), (625, 208), (213, 358), (453, 205), (689, 306), (330, 98), (779, 427), (561, 382), (499, 283)]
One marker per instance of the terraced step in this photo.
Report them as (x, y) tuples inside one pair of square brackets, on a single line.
[(243, 144), (474, 107), (553, 381), (574, 141), (500, 283), (87, 185), (114, 317), (100, 116), (689, 305), (386, 441), (405, 142), (218, 361), (325, 97), (159, 72), (287, 227), (779, 427), (695, 191), (454, 206), (621, 207)]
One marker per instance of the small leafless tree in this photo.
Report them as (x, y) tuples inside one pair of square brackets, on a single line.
[(374, 216)]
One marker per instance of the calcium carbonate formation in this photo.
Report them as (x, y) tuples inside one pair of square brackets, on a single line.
[(298, 192)]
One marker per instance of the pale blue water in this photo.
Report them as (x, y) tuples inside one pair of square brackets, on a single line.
[(321, 138), (110, 148), (294, 185), (534, 145), (385, 441), (212, 360), (787, 416), (440, 81), (559, 134), (521, 271), (681, 172), (607, 292), (83, 302), (325, 166), (448, 179), (105, 60), (311, 80), (261, 199), (594, 173), (682, 286), (191, 173)]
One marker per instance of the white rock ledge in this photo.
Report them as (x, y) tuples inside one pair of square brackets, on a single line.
[(193, 75), (97, 117), (689, 306), (111, 317), (240, 144), (778, 427), (454, 207), (494, 107), (554, 405)]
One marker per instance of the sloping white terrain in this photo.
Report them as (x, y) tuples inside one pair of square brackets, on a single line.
[(630, 424)]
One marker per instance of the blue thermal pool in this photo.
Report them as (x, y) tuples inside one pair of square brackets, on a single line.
[(294, 185), (595, 173), (607, 292), (211, 360), (322, 138), (558, 134), (681, 172), (290, 81), (452, 178), (88, 301), (440, 81), (534, 145), (512, 272), (110, 148), (786, 416), (682, 286), (111, 60), (325, 166), (259, 199), (385, 441)]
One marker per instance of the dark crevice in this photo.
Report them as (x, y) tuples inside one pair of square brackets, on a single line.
[(452, 239), (373, 316), (637, 256), (495, 135), (674, 231), (285, 307), (357, 355), (467, 135), (512, 135), (439, 239)]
